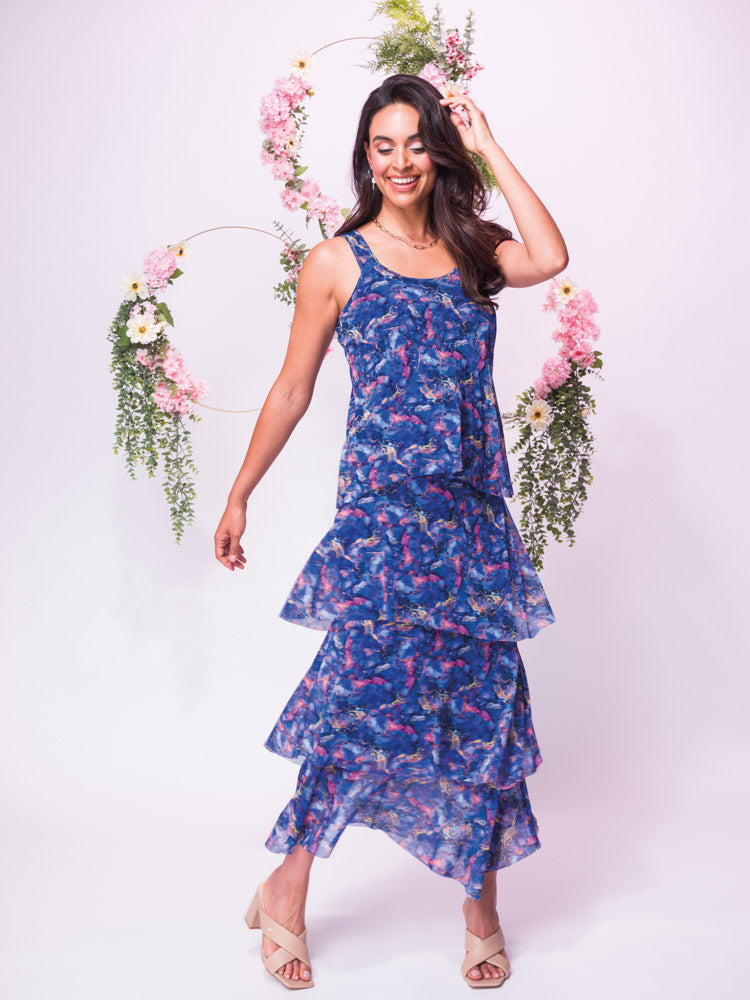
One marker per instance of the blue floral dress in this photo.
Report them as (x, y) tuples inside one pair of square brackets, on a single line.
[(414, 717)]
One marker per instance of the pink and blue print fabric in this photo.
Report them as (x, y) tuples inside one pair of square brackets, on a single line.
[(415, 715)]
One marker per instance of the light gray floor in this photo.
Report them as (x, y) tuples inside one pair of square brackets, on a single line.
[(149, 904)]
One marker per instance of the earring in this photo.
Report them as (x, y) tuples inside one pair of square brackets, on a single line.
[(372, 178)]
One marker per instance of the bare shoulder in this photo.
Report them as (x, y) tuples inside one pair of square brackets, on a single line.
[(328, 253), (332, 262)]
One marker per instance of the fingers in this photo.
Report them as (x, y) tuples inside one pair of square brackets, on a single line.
[(458, 95), (228, 551), (462, 110), (458, 98), (236, 554)]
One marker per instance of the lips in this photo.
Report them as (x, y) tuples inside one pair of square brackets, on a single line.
[(394, 182)]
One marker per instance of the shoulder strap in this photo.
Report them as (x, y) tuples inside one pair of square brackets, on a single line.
[(360, 249)]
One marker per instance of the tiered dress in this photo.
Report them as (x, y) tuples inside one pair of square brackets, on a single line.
[(414, 717)]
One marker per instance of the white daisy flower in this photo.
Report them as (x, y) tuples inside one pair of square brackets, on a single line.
[(142, 330), (565, 290), (181, 251), (539, 415), (302, 63), (135, 287)]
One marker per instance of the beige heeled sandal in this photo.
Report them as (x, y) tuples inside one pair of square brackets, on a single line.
[(490, 949), (291, 946)]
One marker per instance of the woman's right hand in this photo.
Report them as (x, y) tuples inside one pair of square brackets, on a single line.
[(227, 546)]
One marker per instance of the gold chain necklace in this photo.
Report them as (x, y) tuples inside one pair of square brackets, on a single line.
[(417, 246)]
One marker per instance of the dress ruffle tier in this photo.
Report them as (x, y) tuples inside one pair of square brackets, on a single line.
[(415, 715), (433, 551), (424, 734)]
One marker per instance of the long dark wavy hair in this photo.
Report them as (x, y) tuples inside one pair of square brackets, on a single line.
[(459, 196)]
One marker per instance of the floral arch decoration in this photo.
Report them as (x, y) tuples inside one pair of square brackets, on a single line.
[(157, 394)]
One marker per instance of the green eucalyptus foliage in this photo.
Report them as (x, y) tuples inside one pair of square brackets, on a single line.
[(145, 433), (292, 255), (554, 465)]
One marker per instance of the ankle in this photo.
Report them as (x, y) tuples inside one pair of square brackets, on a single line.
[(486, 904), (480, 916), (291, 878)]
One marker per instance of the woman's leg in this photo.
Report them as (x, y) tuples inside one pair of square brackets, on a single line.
[(285, 893), (482, 919)]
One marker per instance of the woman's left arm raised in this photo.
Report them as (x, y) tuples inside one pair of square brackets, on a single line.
[(543, 253)]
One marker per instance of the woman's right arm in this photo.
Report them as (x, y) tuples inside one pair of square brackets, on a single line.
[(312, 330)]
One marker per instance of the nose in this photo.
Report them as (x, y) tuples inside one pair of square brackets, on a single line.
[(402, 159)]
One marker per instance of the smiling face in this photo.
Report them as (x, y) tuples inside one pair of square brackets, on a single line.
[(400, 164)]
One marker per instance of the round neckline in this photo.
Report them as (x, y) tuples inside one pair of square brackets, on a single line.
[(406, 277)]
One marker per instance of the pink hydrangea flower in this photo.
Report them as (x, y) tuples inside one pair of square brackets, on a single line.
[(279, 134), (292, 88), (332, 221), (276, 108), (310, 190), (165, 399), (432, 73), (580, 310), (555, 371), (185, 388), (282, 170), (143, 310), (540, 388), (159, 265), (174, 399), (322, 205), (292, 199), (173, 365), (583, 354)]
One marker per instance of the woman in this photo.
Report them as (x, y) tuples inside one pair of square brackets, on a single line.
[(414, 717)]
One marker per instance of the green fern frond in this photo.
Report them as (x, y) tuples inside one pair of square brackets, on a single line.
[(405, 13)]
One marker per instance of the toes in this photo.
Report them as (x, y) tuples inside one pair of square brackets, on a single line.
[(475, 972), (490, 971), (290, 970)]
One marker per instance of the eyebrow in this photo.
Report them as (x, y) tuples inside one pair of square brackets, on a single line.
[(378, 138)]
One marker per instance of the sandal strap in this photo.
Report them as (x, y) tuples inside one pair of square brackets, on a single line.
[(276, 959), (485, 950), (291, 945)]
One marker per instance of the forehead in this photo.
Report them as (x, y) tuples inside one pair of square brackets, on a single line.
[(397, 121)]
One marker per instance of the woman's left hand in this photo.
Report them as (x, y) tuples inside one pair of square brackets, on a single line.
[(476, 135)]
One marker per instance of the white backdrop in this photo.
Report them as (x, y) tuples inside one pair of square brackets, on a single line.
[(140, 678)]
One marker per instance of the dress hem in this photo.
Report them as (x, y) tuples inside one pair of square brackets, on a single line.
[(471, 892), (404, 770), (320, 623), (285, 836)]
